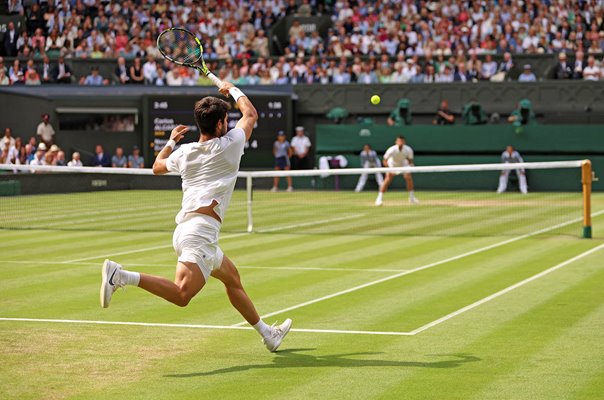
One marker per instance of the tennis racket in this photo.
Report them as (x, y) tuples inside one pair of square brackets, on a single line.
[(184, 48)]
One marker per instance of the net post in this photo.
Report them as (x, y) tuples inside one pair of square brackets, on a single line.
[(586, 180), (248, 186)]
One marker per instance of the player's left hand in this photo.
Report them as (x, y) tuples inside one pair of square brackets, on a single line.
[(178, 132)]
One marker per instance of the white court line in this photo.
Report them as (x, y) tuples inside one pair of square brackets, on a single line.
[(506, 290), (220, 238), (151, 324), (30, 262), (423, 267), (333, 331)]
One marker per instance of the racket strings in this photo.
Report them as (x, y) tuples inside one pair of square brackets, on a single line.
[(180, 46)]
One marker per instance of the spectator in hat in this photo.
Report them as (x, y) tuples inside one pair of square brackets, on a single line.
[(39, 158), (75, 160), (301, 146), (527, 75), (282, 151), (45, 130), (135, 160)]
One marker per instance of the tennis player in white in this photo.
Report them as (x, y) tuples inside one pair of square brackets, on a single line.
[(208, 169), (399, 155)]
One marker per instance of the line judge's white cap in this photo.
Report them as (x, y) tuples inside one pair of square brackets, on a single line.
[(299, 128)]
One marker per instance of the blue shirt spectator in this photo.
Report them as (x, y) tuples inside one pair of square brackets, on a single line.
[(527, 75)]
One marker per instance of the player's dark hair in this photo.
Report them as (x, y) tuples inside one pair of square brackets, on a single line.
[(400, 137), (208, 111)]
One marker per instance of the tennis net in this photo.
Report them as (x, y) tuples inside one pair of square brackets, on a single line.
[(454, 200)]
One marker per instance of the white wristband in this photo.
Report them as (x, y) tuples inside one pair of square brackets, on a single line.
[(171, 143), (236, 93)]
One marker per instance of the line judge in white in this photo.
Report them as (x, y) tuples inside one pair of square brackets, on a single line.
[(398, 155), (510, 155), (208, 169)]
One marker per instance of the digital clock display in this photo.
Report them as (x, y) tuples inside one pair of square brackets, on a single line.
[(166, 112)]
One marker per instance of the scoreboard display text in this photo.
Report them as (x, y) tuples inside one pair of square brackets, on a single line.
[(166, 112)]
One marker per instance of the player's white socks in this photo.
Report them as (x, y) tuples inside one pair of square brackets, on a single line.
[(411, 195), (262, 328), (380, 195), (130, 278)]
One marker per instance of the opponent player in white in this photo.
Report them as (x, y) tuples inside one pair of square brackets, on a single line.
[(399, 155), (510, 155), (208, 169)]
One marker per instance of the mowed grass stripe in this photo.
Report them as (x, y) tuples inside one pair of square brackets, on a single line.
[(558, 380), (503, 335), (56, 246), (426, 295)]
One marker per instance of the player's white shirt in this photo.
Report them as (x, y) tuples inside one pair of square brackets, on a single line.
[(396, 157), (300, 144), (208, 171)]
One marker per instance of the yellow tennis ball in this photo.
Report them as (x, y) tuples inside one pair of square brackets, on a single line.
[(375, 99)]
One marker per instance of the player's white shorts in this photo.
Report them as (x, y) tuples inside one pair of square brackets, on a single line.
[(195, 240), (397, 165)]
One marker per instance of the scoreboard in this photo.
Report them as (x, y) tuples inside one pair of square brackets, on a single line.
[(166, 112)]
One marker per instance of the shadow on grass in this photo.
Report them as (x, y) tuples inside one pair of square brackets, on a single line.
[(293, 358)]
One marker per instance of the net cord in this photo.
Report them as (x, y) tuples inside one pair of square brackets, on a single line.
[(314, 172)]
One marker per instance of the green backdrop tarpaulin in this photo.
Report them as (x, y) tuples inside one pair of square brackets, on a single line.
[(459, 144)]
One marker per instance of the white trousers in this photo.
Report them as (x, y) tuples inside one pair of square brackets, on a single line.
[(363, 180), (503, 181)]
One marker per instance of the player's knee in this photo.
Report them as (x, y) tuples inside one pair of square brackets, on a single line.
[(184, 298)]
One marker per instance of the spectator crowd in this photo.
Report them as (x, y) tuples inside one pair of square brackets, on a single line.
[(381, 41), (41, 150)]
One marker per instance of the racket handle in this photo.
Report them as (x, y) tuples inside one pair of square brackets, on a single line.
[(215, 79)]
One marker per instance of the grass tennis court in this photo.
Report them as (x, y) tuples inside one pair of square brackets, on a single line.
[(457, 298)]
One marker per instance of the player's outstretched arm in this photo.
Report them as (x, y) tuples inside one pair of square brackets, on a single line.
[(159, 166), (248, 111)]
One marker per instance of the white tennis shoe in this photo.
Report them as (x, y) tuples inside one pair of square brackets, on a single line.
[(277, 334), (379, 202), (413, 200), (111, 274)]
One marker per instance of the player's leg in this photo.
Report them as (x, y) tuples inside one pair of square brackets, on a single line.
[(229, 276), (384, 186), (361, 183), (522, 181), (379, 178), (410, 188), (275, 181), (188, 282), (290, 187), (503, 181)]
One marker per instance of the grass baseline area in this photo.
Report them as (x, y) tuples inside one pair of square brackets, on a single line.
[(489, 301)]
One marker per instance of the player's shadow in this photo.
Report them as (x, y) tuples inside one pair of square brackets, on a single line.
[(293, 358)]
